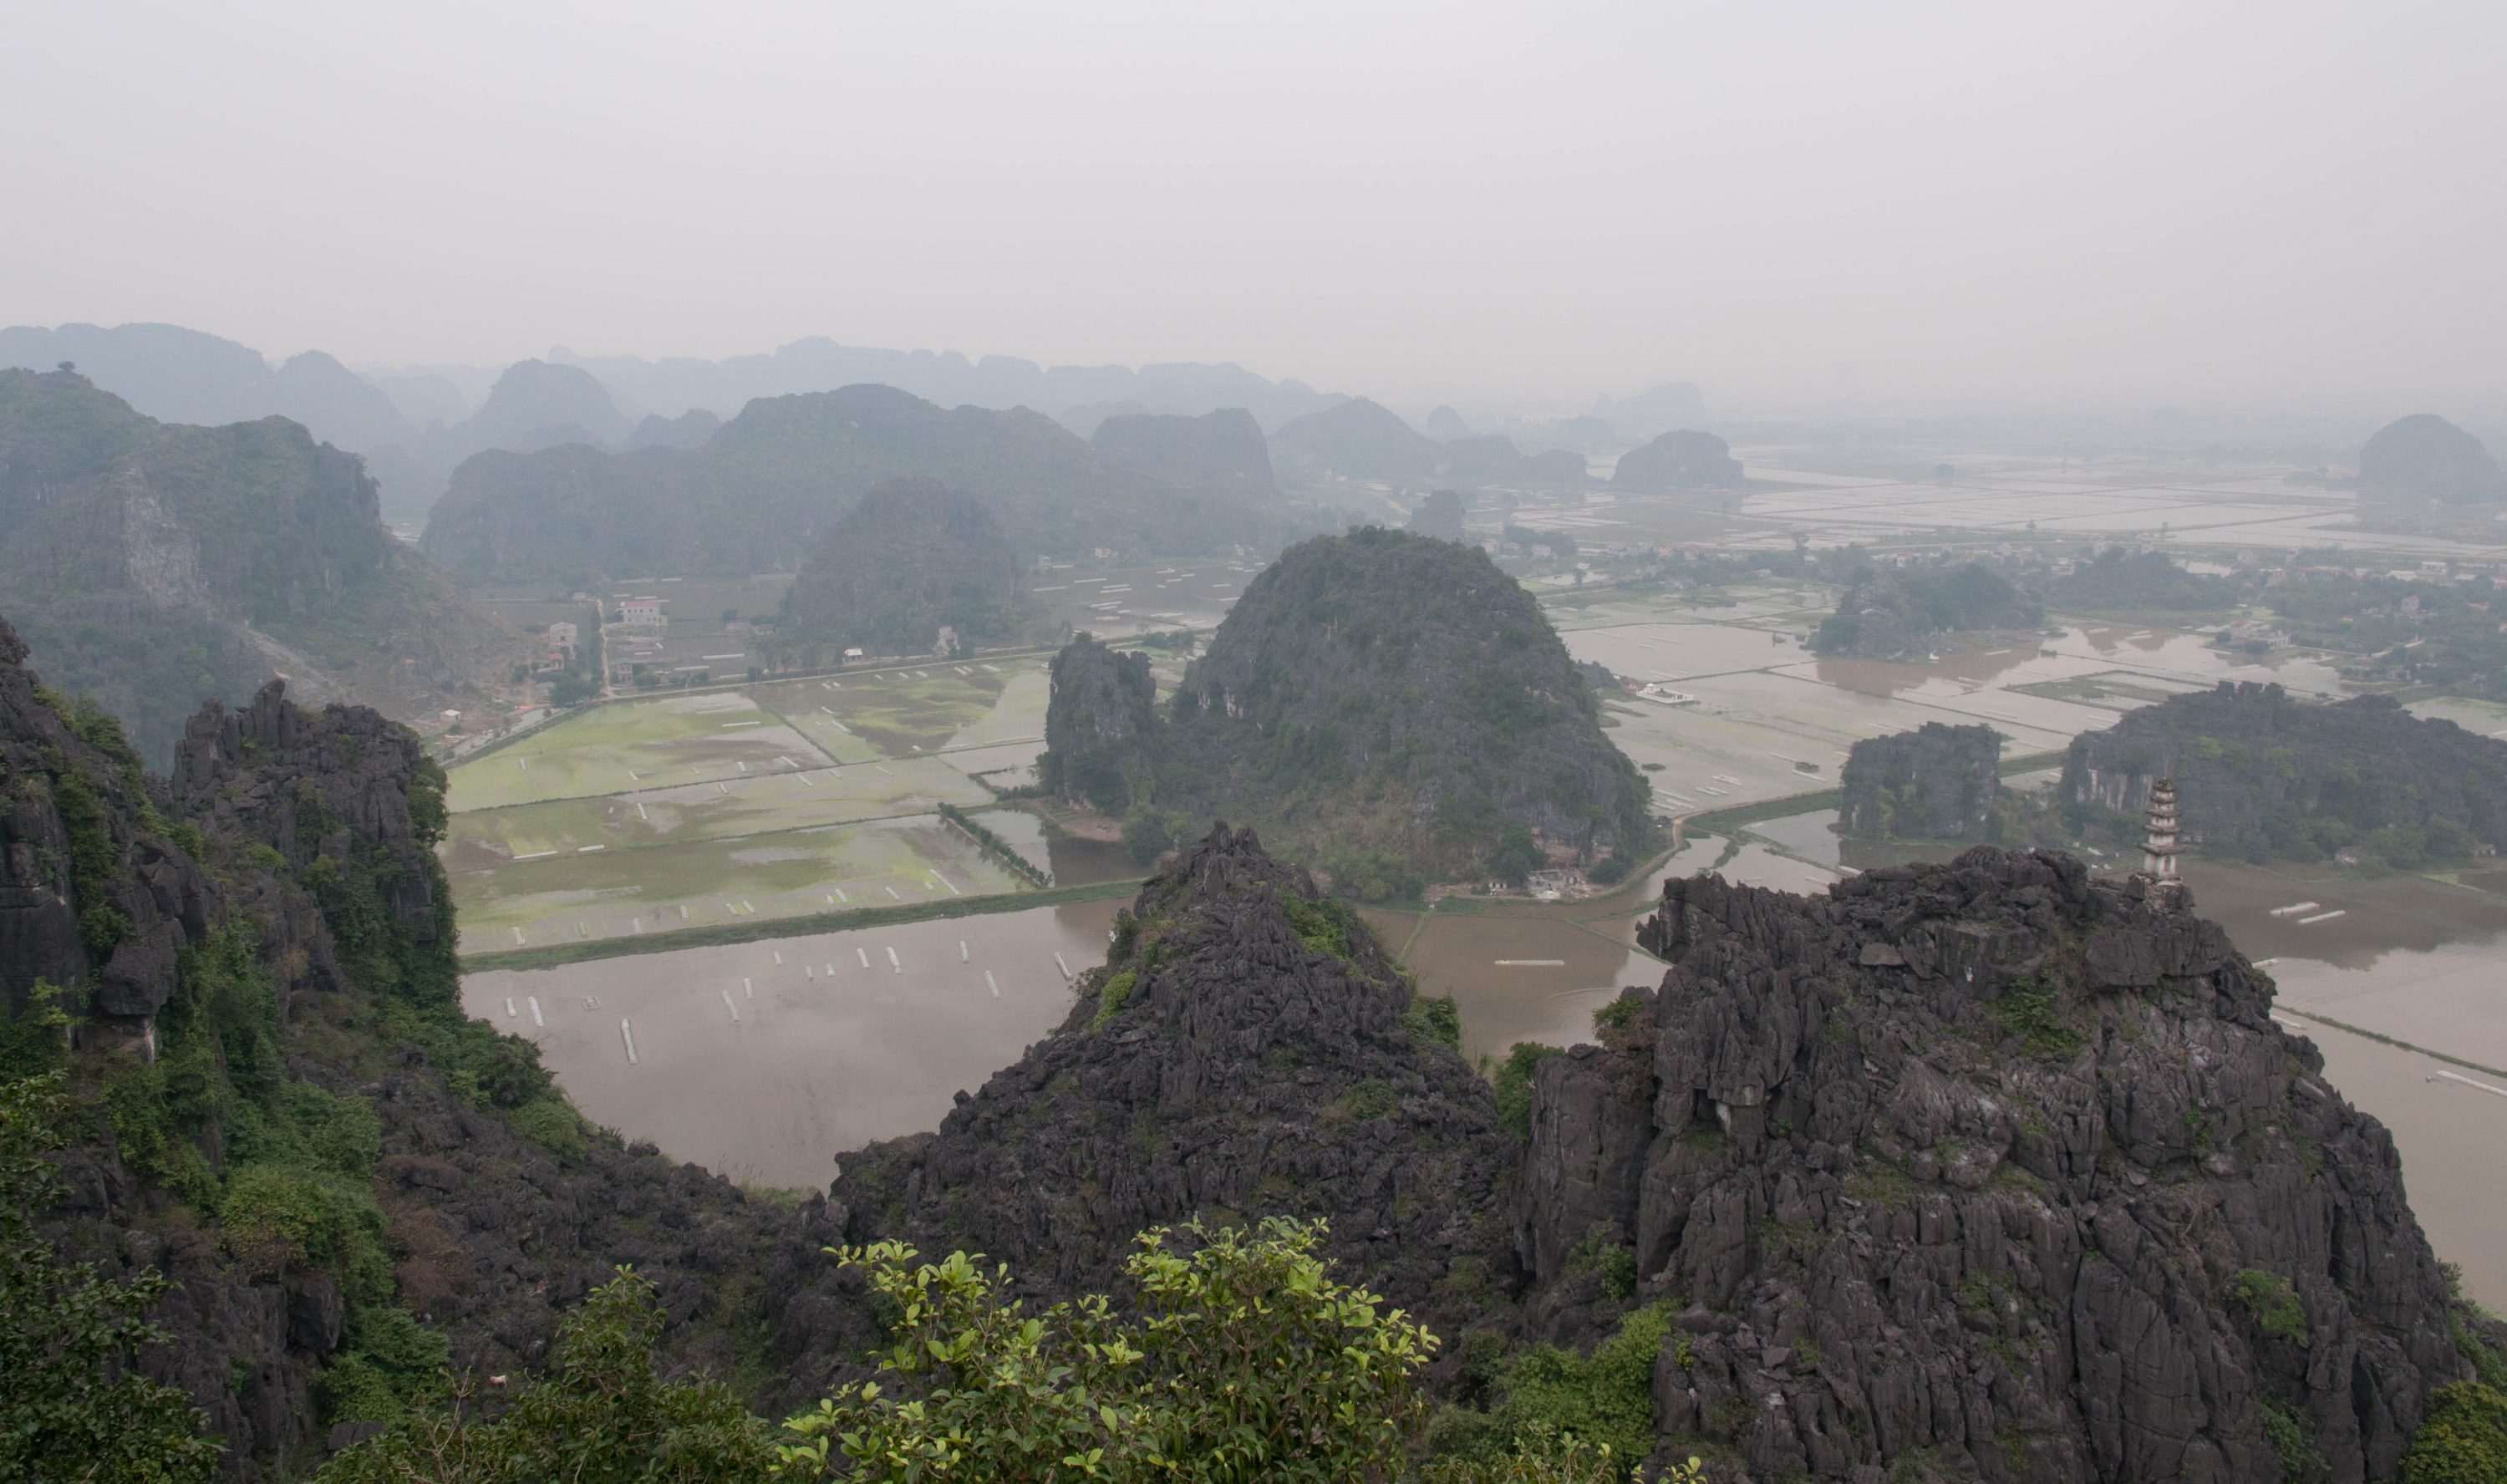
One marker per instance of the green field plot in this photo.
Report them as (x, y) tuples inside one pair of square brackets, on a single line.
[(718, 734), (919, 708), (655, 890), (2487, 717), (758, 803)]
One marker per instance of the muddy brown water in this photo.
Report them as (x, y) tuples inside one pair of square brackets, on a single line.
[(1524, 978), (825, 1054)]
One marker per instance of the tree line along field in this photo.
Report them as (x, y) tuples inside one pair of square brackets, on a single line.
[(796, 797)]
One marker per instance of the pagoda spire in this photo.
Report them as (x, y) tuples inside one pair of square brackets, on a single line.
[(2159, 849)]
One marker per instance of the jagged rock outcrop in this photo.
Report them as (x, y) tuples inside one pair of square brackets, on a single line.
[(150, 565), (257, 953), (768, 484), (2261, 773), (2426, 458), (1248, 1049), (912, 557), (1104, 739), (1935, 783), (1219, 454), (1989, 1170), (1682, 460), (1904, 613)]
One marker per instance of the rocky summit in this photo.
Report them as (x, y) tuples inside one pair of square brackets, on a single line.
[(2426, 458), (1935, 783), (1679, 461), (1248, 1049), (1381, 702), (152, 564), (912, 558), (1988, 1171)]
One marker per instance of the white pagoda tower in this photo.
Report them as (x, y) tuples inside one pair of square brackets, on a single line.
[(2158, 849)]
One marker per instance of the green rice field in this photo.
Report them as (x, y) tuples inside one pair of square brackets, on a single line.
[(787, 798)]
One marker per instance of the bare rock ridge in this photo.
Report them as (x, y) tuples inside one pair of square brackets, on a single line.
[(1935, 783), (913, 556), (1990, 1171), (1248, 1048)]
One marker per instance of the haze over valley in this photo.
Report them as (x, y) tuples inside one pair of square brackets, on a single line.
[(1431, 746)]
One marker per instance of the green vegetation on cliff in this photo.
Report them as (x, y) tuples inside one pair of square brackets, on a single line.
[(1387, 706), (913, 556), (152, 564)]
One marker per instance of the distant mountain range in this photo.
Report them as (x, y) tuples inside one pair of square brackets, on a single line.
[(770, 482), (1362, 440), (152, 566)]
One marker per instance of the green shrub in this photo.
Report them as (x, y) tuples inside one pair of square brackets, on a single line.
[(1513, 1084), (605, 1417), (281, 1215), (1435, 1019), (389, 1366), (1246, 1360), (2293, 1437), (553, 1124), (2030, 1009), (73, 1404), (2463, 1439), (1604, 1399), (1110, 996), (2273, 1303)]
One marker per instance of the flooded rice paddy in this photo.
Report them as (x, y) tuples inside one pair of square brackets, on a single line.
[(782, 799), (764, 1061)]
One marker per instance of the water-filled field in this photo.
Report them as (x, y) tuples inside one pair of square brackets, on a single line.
[(764, 1061), (793, 798)]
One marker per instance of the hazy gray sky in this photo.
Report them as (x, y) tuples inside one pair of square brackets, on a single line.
[(1787, 202)]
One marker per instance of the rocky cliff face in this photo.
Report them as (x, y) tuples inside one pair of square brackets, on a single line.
[(2259, 772), (1104, 739), (1989, 1170), (1679, 461), (1936, 783), (1387, 690), (1248, 1049), (1372, 698), (2426, 458), (912, 557), (150, 565), (1219, 455), (771, 481), (256, 956)]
